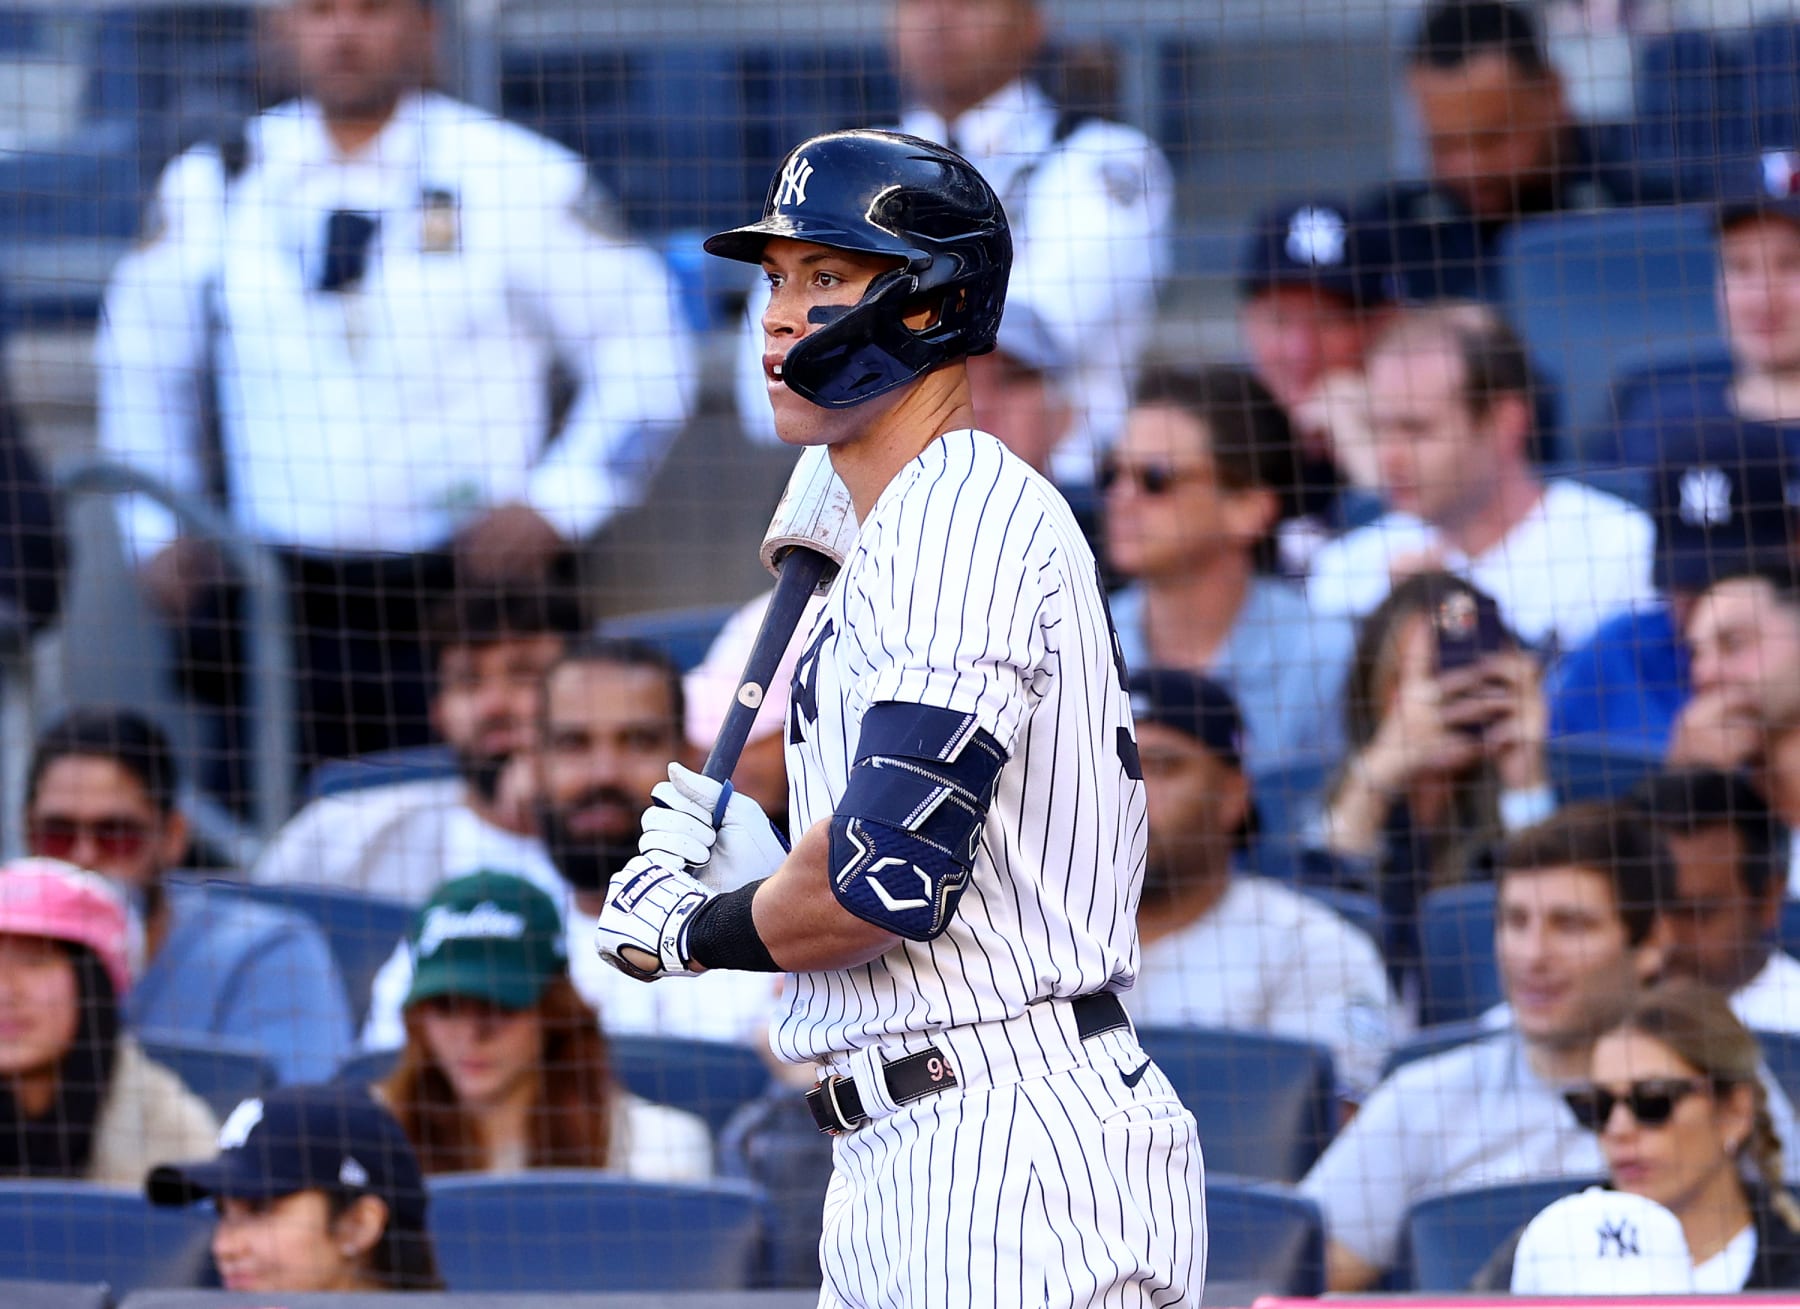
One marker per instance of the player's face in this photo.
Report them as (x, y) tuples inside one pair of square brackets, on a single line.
[(284, 1245), (803, 277), (1166, 510), (953, 54), (1743, 637), (1715, 929), (1759, 293), (40, 1005), (489, 1055), (1196, 805), (1297, 336), (1675, 1162), (91, 812), (1565, 964), (607, 736), (356, 57), (1491, 129), (1020, 406), (1434, 457), (486, 702)]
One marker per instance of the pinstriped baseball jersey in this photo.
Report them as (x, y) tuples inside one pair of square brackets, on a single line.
[(970, 588)]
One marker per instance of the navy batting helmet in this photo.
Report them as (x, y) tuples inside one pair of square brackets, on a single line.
[(881, 193)]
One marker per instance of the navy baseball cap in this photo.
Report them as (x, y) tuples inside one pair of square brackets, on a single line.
[(303, 1138), (1720, 499), (1315, 243), (1193, 705), (1764, 185)]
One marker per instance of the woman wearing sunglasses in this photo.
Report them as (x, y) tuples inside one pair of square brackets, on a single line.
[(100, 794), (1682, 1116)]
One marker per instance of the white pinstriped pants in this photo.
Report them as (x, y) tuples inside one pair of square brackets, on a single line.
[(1043, 1179)]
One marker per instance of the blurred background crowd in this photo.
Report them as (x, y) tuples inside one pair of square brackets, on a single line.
[(383, 471)]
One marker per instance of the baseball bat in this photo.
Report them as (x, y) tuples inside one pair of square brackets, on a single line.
[(813, 529)]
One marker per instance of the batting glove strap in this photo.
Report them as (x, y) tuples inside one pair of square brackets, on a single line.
[(652, 905)]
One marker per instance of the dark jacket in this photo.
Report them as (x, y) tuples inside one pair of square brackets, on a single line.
[(1777, 1266)]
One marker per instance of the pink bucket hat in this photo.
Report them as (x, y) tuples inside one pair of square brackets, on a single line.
[(46, 897), (711, 687)]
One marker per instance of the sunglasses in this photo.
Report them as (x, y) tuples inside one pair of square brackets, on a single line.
[(1652, 1101), (1150, 479), (113, 838)]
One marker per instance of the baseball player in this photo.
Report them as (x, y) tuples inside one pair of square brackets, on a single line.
[(957, 914)]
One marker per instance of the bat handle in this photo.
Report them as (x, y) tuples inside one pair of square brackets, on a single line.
[(800, 574)]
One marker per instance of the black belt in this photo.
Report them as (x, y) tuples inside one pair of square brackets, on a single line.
[(837, 1105)]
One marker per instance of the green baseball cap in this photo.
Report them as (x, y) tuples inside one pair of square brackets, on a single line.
[(489, 936)]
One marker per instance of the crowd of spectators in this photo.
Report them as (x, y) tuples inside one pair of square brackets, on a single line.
[(1361, 606)]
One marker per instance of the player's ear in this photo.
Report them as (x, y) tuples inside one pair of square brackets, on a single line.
[(1251, 514)]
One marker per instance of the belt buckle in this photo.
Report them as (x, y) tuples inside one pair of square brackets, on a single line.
[(826, 1111)]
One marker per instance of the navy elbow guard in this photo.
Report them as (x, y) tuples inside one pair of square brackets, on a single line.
[(904, 836)]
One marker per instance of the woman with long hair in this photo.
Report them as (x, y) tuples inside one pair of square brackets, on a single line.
[(316, 1190), (505, 1066), (78, 1097)]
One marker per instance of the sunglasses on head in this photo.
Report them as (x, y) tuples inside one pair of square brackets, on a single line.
[(114, 838), (1149, 479), (1652, 1101)]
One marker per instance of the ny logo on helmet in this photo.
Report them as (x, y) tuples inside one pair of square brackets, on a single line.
[(794, 178)]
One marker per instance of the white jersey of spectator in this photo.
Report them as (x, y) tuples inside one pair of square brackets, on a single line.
[(1768, 1002), (1090, 203), (1471, 1117), (1267, 958), (1579, 557), (401, 841), (386, 415)]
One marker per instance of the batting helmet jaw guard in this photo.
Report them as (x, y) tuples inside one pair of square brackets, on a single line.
[(881, 193)]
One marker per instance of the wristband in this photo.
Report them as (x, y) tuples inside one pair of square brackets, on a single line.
[(723, 934)]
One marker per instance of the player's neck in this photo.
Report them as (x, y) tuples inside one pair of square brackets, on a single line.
[(1194, 896), (1509, 502), (867, 462), (1781, 774), (1189, 614), (351, 134), (1771, 396), (1559, 1062)]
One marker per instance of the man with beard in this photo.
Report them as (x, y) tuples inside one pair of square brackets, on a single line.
[(609, 720), (1221, 949), (404, 840)]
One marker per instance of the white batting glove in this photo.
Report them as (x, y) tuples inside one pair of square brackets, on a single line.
[(649, 907), (682, 826)]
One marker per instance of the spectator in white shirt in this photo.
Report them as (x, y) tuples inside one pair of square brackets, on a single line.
[(402, 840), (1224, 949), (1451, 402)]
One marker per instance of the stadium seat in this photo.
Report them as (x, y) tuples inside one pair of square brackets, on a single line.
[(1261, 1237), (1360, 910), (1591, 292), (1448, 1238), (683, 634), (367, 1067), (1456, 946), (53, 1295), (1599, 766), (565, 1230), (423, 763), (774, 1143), (1781, 1055), (709, 1078), (1266, 1104), (1287, 795), (362, 930), (1773, 55), (220, 1072), (1693, 106), (79, 1232), (1434, 1040), (1788, 934)]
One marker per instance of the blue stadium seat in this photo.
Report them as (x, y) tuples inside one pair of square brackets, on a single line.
[(1434, 1040), (1266, 1105), (367, 1067), (1361, 910), (565, 1231), (1599, 766), (1456, 945), (220, 1072), (1787, 935), (1448, 1238), (419, 763), (1287, 795), (774, 1143), (1781, 1055), (709, 1078), (1262, 1236), (362, 930), (1665, 385), (1591, 292), (79, 1232), (1693, 105), (53, 1295), (684, 634), (1773, 55)]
